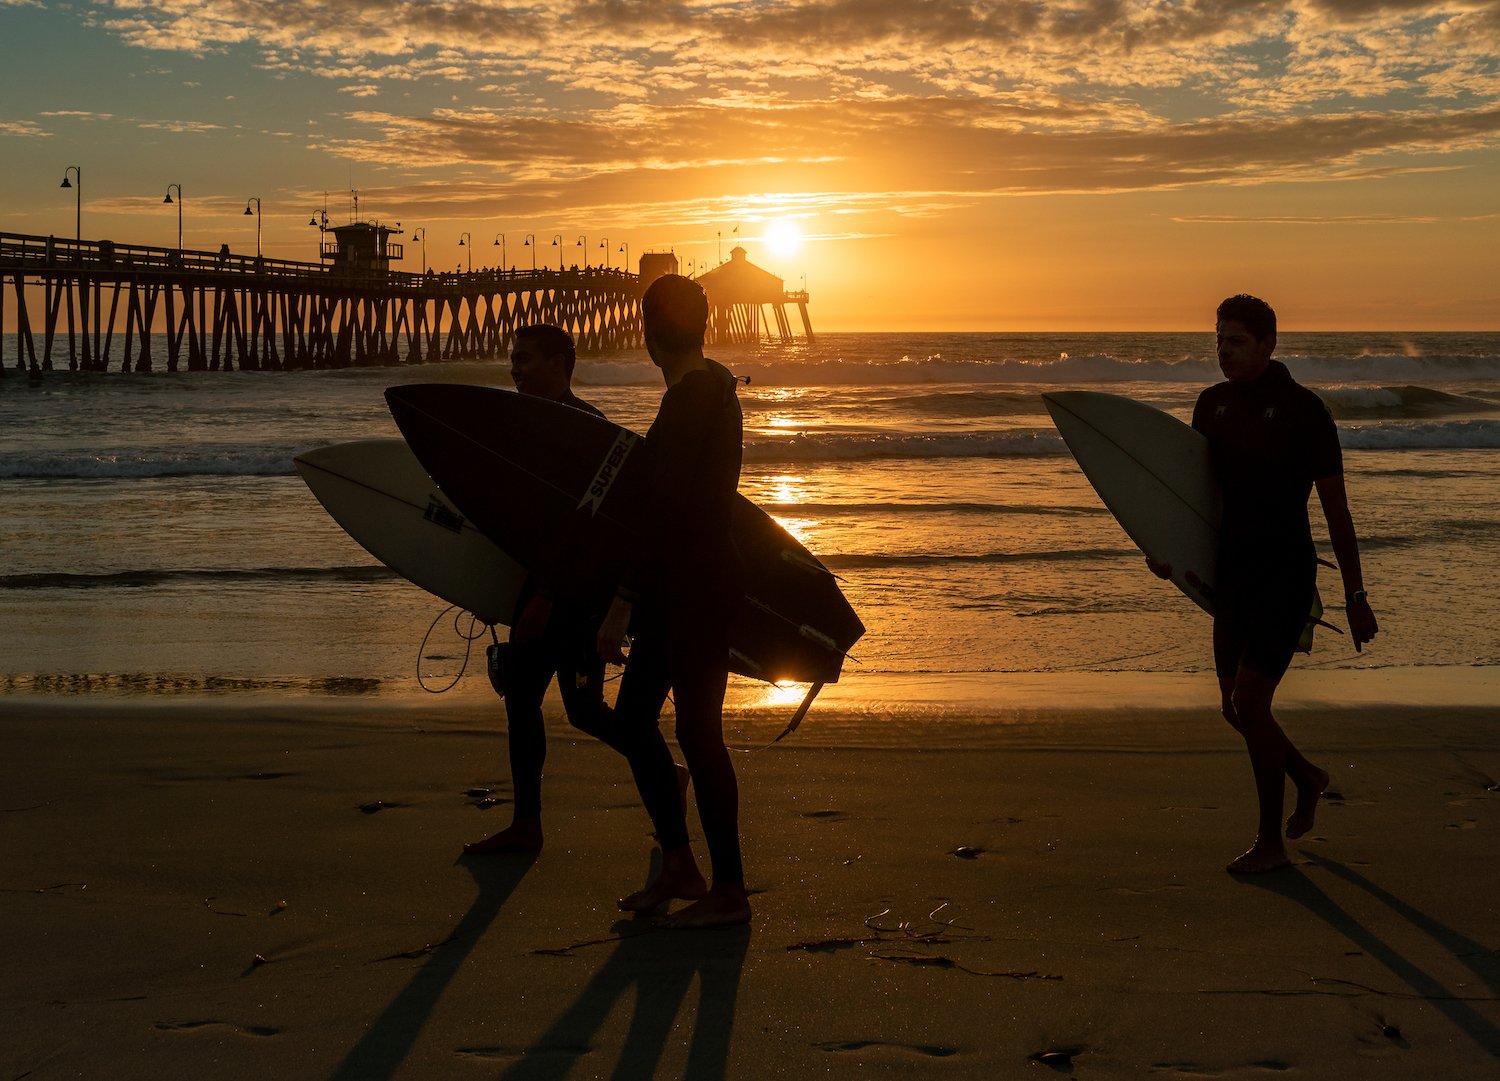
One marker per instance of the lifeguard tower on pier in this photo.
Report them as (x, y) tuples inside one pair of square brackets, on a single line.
[(361, 249), (739, 292)]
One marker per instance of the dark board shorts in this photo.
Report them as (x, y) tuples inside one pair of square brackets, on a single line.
[(1260, 631)]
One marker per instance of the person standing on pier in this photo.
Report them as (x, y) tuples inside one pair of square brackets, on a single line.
[(553, 632), (682, 589)]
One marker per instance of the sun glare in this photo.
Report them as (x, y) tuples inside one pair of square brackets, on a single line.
[(784, 237)]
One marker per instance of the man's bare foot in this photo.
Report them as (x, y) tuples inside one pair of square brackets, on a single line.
[(1308, 795), (1259, 860), (679, 878), (522, 835), (722, 906)]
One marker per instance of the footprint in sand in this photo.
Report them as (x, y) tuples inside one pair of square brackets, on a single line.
[(922, 1049), (831, 815), (188, 1026)]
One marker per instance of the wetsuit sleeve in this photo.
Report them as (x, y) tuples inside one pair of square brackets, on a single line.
[(1200, 411), (1325, 458)]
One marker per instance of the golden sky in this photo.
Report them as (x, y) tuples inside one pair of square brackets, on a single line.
[(1088, 165)]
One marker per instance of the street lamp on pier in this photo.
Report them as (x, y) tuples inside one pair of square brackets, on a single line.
[(604, 246), (420, 233), (500, 239), (583, 242), (626, 249), (462, 237), (77, 172), (320, 219), (530, 238), (256, 200), (557, 243), (168, 202)]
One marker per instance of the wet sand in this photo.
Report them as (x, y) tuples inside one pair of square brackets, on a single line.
[(222, 888)]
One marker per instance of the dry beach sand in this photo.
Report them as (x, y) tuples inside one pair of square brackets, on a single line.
[(231, 888)]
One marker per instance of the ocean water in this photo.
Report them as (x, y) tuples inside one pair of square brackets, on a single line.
[(156, 538)]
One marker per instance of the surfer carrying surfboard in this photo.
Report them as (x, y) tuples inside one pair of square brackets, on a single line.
[(552, 632), (682, 588), (1272, 441)]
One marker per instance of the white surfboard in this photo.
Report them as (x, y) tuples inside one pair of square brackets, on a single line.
[(1155, 476), (382, 497)]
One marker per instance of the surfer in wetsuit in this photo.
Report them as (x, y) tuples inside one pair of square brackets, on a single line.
[(682, 589), (1272, 441), (553, 630)]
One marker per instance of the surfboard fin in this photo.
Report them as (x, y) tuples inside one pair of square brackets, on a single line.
[(796, 720)]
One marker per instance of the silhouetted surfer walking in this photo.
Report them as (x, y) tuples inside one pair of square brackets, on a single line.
[(553, 630), (1272, 441), (679, 596)]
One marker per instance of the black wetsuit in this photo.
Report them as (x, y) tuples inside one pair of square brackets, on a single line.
[(686, 581), (1271, 438), (567, 649)]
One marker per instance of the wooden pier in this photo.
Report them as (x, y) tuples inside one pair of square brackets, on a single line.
[(218, 311)]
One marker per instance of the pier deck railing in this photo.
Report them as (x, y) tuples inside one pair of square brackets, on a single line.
[(219, 310)]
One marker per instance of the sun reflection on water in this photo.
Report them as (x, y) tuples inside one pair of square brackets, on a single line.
[(779, 694)]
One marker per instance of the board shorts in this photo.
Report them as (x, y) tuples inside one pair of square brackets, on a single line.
[(1261, 630)]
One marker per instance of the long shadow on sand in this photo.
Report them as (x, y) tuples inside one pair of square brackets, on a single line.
[(1480, 959), (387, 1042), (657, 968)]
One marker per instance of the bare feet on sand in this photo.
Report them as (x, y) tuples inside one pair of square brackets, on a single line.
[(680, 879), (522, 835), (724, 905), (1259, 860), (1308, 795)]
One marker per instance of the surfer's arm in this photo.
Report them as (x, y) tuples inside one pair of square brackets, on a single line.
[(1335, 500), (612, 631)]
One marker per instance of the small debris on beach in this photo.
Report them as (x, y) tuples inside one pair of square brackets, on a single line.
[(1058, 1059), (967, 852)]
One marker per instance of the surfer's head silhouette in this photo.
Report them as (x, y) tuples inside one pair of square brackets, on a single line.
[(1245, 336), (541, 361)]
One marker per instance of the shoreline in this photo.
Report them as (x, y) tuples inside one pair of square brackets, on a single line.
[(936, 693)]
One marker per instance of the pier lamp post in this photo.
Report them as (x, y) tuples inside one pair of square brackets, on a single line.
[(420, 233), (168, 202), (500, 239), (583, 242), (530, 238), (320, 219), (625, 266), (604, 247), (256, 200), (557, 243), (462, 237), (77, 198)]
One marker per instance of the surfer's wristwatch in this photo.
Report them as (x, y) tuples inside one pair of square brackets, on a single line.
[(1359, 596)]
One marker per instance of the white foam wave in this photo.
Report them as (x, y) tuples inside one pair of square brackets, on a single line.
[(1024, 442), (1314, 370), (1449, 435)]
